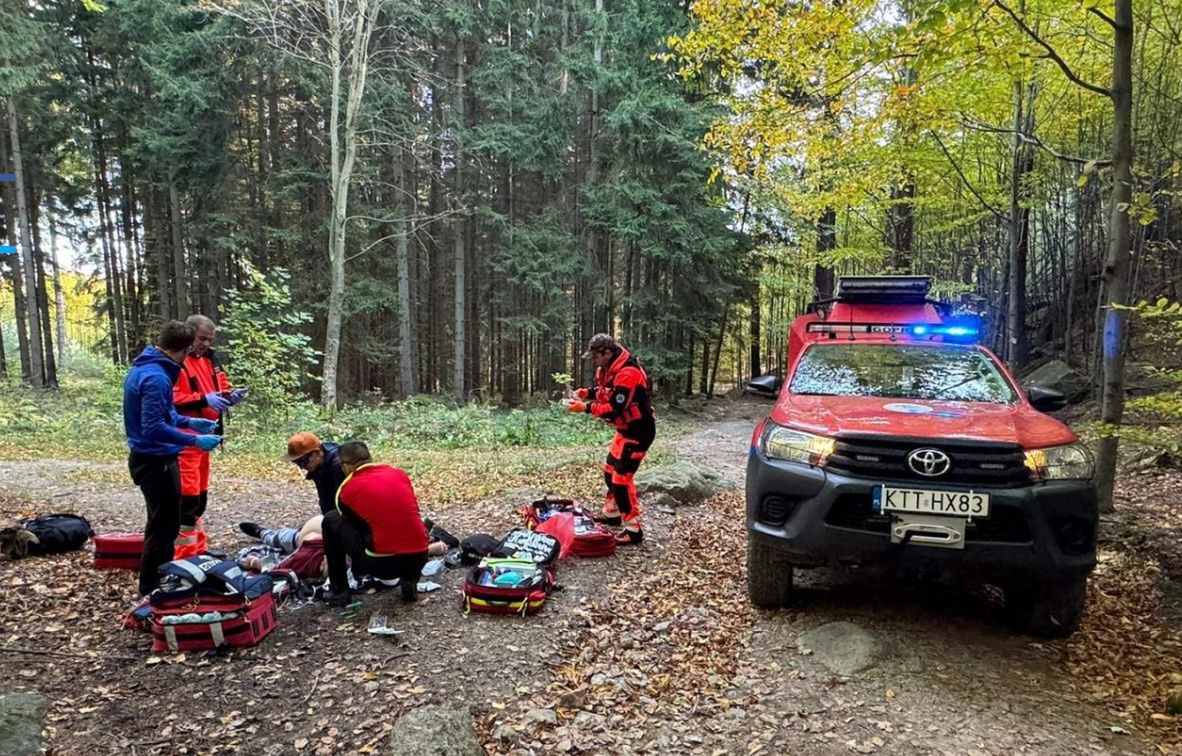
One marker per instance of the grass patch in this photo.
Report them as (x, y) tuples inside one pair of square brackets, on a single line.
[(456, 451)]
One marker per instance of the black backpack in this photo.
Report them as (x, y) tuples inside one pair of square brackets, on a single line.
[(57, 533), (476, 547)]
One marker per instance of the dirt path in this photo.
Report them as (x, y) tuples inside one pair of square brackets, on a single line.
[(653, 651)]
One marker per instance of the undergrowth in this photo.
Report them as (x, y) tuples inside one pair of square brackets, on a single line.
[(84, 420)]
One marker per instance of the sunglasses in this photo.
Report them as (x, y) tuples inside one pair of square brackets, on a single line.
[(302, 462)]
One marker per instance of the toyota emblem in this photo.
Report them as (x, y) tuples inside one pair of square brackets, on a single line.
[(929, 463)]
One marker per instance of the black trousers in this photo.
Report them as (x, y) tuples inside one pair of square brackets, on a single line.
[(159, 478), (344, 538)]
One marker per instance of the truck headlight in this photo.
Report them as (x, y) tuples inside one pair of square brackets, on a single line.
[(797, 446), (1069, 462)]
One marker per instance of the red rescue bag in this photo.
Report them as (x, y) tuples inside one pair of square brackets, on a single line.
[(118, 551), (205, 622)]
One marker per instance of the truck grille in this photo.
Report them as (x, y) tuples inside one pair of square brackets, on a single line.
[(978, 463), (1005, 524)]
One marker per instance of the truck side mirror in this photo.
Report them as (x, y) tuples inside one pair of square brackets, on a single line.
[(1046, 400), (767, 386)]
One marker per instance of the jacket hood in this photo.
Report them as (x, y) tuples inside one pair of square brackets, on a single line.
[(152, 355)]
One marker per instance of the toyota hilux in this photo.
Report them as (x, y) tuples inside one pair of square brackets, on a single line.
[(897, 440)]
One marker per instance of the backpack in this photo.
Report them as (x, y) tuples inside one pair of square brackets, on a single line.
[(528, 545), (476, 547), (51, 534), (537, 512), (205, 603), (590, 539), (507, 586)]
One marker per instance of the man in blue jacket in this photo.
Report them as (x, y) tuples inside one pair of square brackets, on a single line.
[(155, 439)]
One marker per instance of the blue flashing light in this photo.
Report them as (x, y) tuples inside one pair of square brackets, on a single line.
[(962, 329)]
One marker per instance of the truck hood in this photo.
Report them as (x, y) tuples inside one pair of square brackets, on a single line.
[(1008, 423)]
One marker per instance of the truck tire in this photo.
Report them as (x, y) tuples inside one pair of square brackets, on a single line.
[(769, 575), (1048, 610)]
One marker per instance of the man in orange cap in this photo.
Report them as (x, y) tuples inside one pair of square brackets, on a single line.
[(321, 464), (621, 397)]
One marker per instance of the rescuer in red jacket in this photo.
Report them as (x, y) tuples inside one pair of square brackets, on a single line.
[(376, 526), (621, 397), (201, 390)]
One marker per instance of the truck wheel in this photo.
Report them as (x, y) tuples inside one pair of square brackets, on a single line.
[(769, 575), (1048, 610)]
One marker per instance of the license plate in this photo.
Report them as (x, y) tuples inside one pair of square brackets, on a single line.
[(920, 501)]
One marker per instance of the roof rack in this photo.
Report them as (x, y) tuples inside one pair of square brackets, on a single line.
[(883, 289)]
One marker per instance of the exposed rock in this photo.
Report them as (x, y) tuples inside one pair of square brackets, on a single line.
[(683, 482), (843, 647), (545, 716), (22, 717), (1058, 376), (434, 731)]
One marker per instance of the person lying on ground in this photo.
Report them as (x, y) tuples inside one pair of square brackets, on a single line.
[(303, 549), (321, 465), (376, 525)]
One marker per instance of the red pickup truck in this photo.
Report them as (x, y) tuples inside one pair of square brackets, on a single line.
[(897, 440)]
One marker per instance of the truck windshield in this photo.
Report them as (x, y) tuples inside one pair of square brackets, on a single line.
[(903, 371)]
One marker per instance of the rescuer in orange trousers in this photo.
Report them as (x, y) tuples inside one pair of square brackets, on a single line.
[(201, 390), (621, 397)]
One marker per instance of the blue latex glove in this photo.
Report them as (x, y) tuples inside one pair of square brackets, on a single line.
[(237, 395), (201, 425), (216, 402), (208, 443)]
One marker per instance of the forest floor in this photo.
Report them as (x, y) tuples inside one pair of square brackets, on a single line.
[(653, 651)]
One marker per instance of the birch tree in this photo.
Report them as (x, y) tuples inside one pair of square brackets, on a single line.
[(334, 36)]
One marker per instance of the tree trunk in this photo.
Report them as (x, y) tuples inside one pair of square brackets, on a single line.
[(59, 294), (43, 294), (179, 269), (343, 155), (755, 324), (1017, 340), (36, 356), (1117, 265), (406, 333), (826, 243), (18, 295), (458, 227)]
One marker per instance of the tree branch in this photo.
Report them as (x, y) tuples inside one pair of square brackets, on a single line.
[(1066, 69), (1036, 142), (1107, 19), (956, 166)]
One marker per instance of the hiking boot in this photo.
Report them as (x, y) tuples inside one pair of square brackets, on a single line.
[(410, 590), (630, 537), (252, 529), (337, 600)]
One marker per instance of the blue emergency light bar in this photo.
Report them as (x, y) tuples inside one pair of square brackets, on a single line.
[(961, 329)]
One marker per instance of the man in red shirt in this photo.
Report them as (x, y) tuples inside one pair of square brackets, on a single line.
[(201, 390), (376, 525)]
